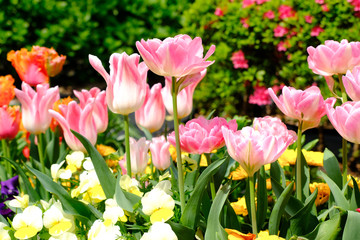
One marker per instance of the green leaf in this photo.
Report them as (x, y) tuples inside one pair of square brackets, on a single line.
[(33, 195), (352, 229), (125, 200), (53, 149), (279, 209), (335, 190), (310, 145), (327, 230), (277, 173), (147, 133), (106, 178), (181, 231), (209, 116), (355, 195), (332, 168), (191, 214), (70, 205), (214, 230), (262, 200)]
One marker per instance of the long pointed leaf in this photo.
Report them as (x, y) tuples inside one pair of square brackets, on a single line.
[(262, 200), (106, 178), (352, 230), (332, 168), (327, 230), (279, 209), (124, 199)]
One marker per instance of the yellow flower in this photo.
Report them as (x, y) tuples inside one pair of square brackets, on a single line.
[(287, 158), (20, 202), (264, 235), (113, 212), (7, 89), (238, 174), (4, 234), (105, 150), (240, 206), (236, 235), (28, 223), (130, 185), (57, 221), (74, 160), (351, 184), (323, 192), (313, 158)]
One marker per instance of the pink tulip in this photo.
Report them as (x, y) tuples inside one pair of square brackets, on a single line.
[(78, 119), (139, 154), (184, 97), (274, 126), (307, 106), (175, 57), (253, 148), (334, 57), (9, 121), (35, 105), (100, 112), (126, 84), (200, 136), (160, 154), (151, 115), (352, 83), (345, 119)]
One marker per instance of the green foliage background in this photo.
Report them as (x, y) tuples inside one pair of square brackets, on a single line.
[(81, 27)]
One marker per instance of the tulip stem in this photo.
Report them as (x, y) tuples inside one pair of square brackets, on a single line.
[(252, 204), (299, 163), (344, 142), (127, 145), (178, 149), (212, 183), (41, 152), (6, 152)]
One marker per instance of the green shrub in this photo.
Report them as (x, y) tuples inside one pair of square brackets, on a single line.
[(226, 88)]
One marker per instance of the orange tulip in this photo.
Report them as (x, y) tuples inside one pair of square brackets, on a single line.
[(7, 87)]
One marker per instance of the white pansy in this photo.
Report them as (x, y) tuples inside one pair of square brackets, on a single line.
[(159, 231), (113, 212), (130, 185), (100, 231), (64, 236), (28, 223), (156, 199), (88, 165), (57, 172), (74, 160), (165, 186), (4, 234), (20, 202), (57, 221)]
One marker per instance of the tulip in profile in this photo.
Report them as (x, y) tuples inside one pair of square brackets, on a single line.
[(151, 115), (345, 119), (160, 154), (200, 135), (177, 56), (139, 154), (352, 83), (334, 57), (126, 83), (78, 119), (100, 112), (9, 122), (35, 105), (307, 106), (184, 97)]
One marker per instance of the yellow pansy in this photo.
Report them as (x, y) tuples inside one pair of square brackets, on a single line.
[(238, 174), (240, 206), (74, 160), (113, 212), (130, 185), (351, 184), (105, 150), (287, 158), (57, 221), (313, 158), (323, 192), (28, 223), (264, 235)]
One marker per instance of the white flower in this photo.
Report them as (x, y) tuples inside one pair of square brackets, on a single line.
[(130, 185), (57, 221), (90, 188), (100, 231), (74, 160), (113, 212), (20, 202), (159, 231), (28, 223), (64, 236), (88, 165), (57, 173), (4, 234)]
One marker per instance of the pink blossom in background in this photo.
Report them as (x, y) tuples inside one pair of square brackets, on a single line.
[(259, 2), (334, 57), (35, 105), (319, 1), (177, 56), (160, 154), (78, 119), (308, 18), (219, 12), (239, 61), (286, 11), (247, 3), (307, 106), (200, 135), (325, 8), (316, 31), (260, 96), (355, 3), (352, 83), (252, 148), (100, 112), (345, 119), (280, 31), (277, 88), (244, 22), (269, 14), (151, 115), (281, 47)]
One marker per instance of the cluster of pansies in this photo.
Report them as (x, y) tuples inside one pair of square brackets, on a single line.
[(174, 185)]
